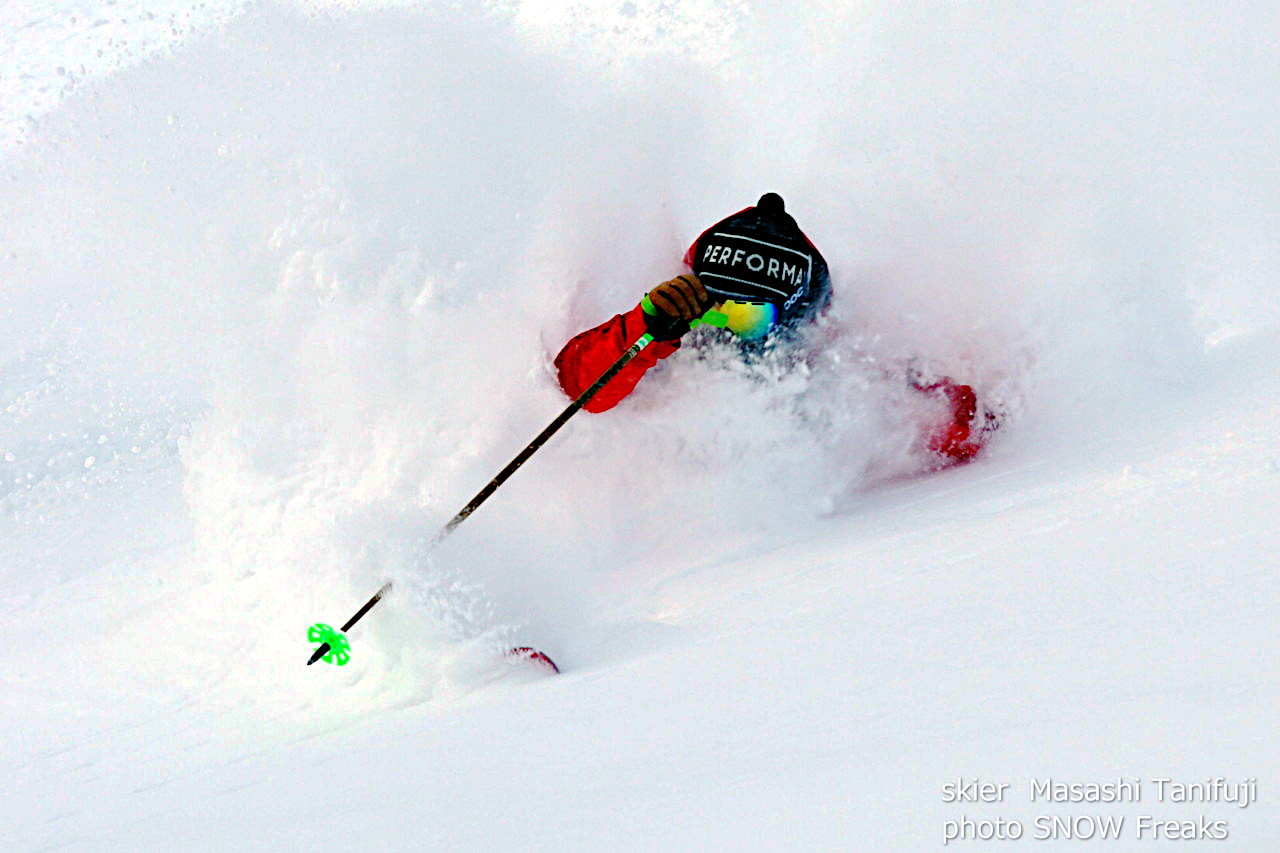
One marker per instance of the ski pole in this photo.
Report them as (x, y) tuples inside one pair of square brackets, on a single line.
[(512, 466)]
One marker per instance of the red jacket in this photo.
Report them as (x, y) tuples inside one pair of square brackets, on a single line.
[(594, 351)]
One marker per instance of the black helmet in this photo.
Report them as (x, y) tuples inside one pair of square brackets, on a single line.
[(761, 255)]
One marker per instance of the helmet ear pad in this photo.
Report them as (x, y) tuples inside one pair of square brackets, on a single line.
[(760, 254)]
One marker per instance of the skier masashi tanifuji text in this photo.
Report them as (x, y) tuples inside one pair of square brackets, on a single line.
[(756, 274)]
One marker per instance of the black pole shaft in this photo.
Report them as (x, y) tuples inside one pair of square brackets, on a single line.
[(541, 439), (377, 596), (511, 468)]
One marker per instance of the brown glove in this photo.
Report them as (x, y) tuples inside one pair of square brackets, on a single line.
[(682, 298), (670, 306)]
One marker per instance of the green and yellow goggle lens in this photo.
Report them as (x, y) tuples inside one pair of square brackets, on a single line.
[(748, 320)]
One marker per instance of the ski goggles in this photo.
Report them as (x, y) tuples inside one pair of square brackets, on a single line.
[(750, 321)]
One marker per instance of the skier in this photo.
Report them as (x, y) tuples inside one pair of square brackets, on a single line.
[(756, 274)]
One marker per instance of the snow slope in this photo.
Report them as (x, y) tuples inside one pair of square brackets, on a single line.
[(281, 286)]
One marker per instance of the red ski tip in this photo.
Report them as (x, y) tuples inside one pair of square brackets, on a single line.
[(533, 656)]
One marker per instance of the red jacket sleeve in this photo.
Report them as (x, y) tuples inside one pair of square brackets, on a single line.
[(594, 351)]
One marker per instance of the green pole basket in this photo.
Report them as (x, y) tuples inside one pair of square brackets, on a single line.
[(339, 649)]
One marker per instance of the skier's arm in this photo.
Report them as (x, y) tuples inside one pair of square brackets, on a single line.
[(594, 351)]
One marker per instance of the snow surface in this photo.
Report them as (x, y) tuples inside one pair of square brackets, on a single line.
[(279, 289)]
